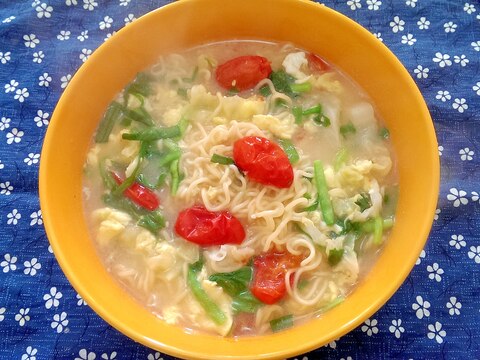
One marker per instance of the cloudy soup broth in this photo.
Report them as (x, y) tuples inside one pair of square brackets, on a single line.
[(240, 188)]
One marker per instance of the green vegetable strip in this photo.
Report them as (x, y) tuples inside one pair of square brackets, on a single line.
[(290, 150), (108, 122), (175, 174), (347, 129), (281, 323), (313, 206), (182, 125), (378, 230), (297, 114), (369, 225), (334, 303), (334, 256), (340, 159), (245, 302), (168, 158), (300, 88), (154, 134), (107, 179), (313, 110), (322, 189), (321, 120), (222, 160), (129, 180), (210, 307), (140, 115)]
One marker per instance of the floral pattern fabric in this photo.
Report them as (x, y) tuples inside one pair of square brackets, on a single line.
[(435, 313)]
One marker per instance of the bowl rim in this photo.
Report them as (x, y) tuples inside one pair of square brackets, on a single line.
[(101, 310)]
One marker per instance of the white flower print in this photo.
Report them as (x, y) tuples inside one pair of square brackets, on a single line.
[(469, 8), (85, 54), (347, 358), (474, 254), (332, 344), (36, 217), (106, 23), (421, 307), (466, 154), (70, 2), (420, 257), (476, 88), (11, 86), (435, 272), (44, 10), (13, 217), (397, 24), (411, 3), (14, 136), (476, 45), (378, 35), (462, 60), (30, 40), (124, 2), (31, 159), (396, 328), (4, 123), (156, 356), (89, 5), (2, 312), (108, 36), (5, 57), (421, 72), (59, 322), (454, 306), (21, 94), (6, 188), (408, 39), (458, 104), (1, 165), (8, 19), (29, 354), (354, 4), (443, 95), (31, 267), (112, 356), (129, 19), (9, 263), (457, 241), (370, 327), (64, 35), (373, 4), (436, 332), (83, 36), (35, 3), (442, 59), (80, 301), (45, 79), (41, 119), (449, 27), (458, 197), (423, 23), (475, 196), (22, 317), (84, 354), (50, 250), (52, 298), (38, 57), (65, 79)]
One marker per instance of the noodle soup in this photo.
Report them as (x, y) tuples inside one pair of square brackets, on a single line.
[(240, 188)]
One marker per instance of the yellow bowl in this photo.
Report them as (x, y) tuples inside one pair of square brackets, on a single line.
[(190, 22)]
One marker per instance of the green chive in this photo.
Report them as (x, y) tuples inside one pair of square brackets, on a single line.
[(323, 196), (175, 174), (265, 91), (290, 150), (222, 160), (317, 109), (377, 230), (281, 323), (322, 120), (340, 159), (335, 256), (297, 114), (300, 88), (108, 122), (154, 134), (347, 129)]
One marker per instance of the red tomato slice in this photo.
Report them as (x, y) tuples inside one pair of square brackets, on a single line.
[(139, 194), (268, 284), (316, 63), (263, 161), (243, 73), (205, 228)]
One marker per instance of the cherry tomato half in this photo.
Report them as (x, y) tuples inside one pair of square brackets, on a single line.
[(139, 194), (243, 73), (316, 63), (263, 161), (269, 269), (203, 227)]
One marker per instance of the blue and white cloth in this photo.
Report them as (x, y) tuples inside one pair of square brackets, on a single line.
[(435, 314)]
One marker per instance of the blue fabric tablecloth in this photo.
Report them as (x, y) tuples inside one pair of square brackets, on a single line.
[(435, 314)]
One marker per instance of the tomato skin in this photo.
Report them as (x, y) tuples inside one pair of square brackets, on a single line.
[(139, 194), (268, 283), (263, 161), (243, 72), (206, 228), (316, 63)]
